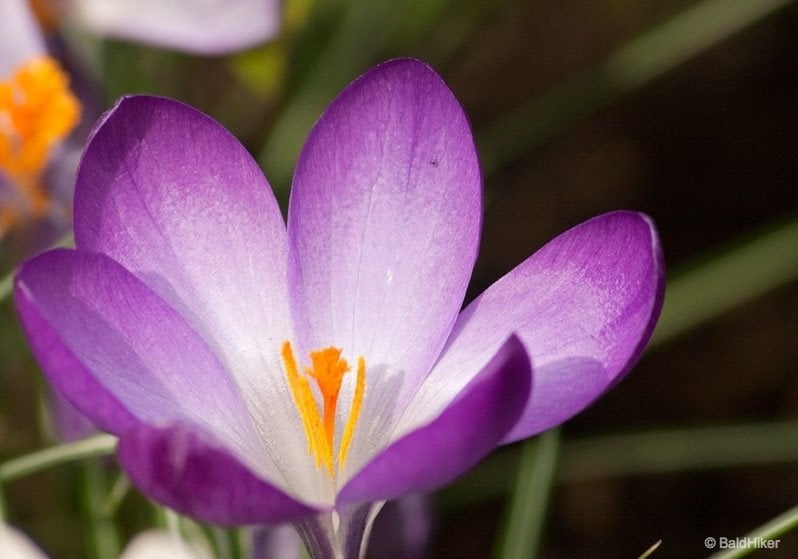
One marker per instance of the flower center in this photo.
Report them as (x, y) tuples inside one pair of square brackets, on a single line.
[(327, 368), (37, 110)]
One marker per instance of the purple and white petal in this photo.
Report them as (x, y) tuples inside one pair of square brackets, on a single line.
[(584, 306), (172, 196), (124, 357), (445, 446), (195, 475), (20, 36), (198, 26), (383, 227)]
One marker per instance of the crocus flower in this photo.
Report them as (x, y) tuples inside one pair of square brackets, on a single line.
[(153, 544), (257, 373), (37, 111), (197, 26)]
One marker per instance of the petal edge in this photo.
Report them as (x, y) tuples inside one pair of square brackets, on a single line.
[(183, 469), (461, 435)]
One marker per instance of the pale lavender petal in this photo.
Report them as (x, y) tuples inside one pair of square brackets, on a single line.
[(196, 476), (172, 196), (198, 26), (584, 306), (16, 545), (158, 544), (20, 36), (122, 356), (466, 431), (276, 542), (383, 229)]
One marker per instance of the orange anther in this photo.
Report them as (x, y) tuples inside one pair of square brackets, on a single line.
[(327, 369)]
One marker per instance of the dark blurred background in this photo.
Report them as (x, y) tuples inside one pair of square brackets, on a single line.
[(709, 151)]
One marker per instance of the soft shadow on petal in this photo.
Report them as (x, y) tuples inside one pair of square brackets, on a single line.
[(168, 193), (122, 356), (172, 196), (203, 27), (194, 475), (467, 429), (584, 306), (384, 224)]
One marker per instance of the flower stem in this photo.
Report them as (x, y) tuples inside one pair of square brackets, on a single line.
[(2, 506), (654, 452), (526, 514), (117, 493), (98, 445), (341, 534), (5, 286), (102, 531)]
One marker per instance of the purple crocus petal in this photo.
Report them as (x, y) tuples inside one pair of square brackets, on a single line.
[(465, 431), (69, 423), (197, 26), (20, 36), (64, 370), (196, 476), (168, 193), (584, 305), (383, 228), (123, 356)]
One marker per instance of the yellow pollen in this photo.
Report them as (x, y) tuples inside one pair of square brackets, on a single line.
[(327, 369), (37, 110)]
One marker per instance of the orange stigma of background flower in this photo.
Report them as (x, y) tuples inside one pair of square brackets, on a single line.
[(327, 369), (37, 111)]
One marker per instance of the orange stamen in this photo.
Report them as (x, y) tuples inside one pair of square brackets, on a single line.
[(303, 398), (354, 413), (327, 369)]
